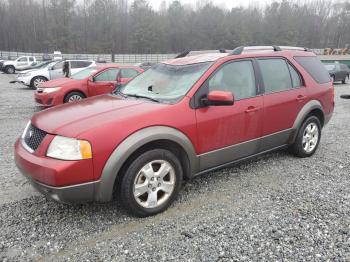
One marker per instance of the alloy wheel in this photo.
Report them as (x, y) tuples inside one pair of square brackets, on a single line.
[(310, 137), (154, 184), (38, 81), (74, 98)]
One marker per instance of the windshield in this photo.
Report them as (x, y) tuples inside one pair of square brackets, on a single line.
[(84, 73), (330, 67), (163, 82)]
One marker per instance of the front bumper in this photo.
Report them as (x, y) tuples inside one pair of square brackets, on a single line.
[(63, 181), (48, 99), (24, 80)]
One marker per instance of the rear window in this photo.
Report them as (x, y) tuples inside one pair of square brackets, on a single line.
[(314, 67)]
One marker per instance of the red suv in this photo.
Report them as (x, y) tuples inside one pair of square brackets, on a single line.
[(92, 81), (181, 118)]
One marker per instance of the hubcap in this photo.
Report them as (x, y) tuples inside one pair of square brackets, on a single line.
[(310, 137), (38, 81), (74, 98), (11, 70), (154, 183)]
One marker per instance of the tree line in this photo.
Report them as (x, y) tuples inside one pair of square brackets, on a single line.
[(122, 26)]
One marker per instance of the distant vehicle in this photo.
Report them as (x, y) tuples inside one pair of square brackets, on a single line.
[(57, 55), (145, 65), (53, 70), (92, 81), (20, 63), (338, 72)]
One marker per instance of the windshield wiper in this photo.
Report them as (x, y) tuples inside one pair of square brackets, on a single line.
[(141, 96)]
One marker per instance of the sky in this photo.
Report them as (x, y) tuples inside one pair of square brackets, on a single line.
[(228, 3)]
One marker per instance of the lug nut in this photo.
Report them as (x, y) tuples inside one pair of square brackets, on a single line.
[(152, 178), (149, 186), (154, 189), (159, 184)]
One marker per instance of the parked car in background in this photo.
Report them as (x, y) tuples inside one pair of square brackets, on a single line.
[(57, 55), (179, 119), (92, 81), (21, 63), (338, 72), (145, 65), (53, 70)]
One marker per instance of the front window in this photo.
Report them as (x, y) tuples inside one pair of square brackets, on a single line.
[(84, 73), (166, 83)]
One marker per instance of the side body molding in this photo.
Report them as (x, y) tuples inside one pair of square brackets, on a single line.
[(308, 107), (104, 189)]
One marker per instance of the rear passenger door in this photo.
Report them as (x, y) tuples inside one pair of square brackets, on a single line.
[(284, 96)]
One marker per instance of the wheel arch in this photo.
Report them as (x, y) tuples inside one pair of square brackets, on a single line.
[(313, 107), (140, 141), (73, 90), (32, 80)]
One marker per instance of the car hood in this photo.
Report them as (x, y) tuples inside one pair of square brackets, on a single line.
[(78, 117), (58, 82)]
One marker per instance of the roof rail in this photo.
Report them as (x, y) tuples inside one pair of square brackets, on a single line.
[(246, 49), (198, 52)]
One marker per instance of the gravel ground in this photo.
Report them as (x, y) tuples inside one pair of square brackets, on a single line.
[(274, 208)]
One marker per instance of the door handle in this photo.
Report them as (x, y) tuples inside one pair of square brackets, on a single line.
[(252, 109), (301, 98)]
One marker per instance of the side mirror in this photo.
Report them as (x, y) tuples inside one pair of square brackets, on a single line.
[(218, 98)]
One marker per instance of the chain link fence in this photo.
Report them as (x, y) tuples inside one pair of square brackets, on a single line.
[(117, 58)]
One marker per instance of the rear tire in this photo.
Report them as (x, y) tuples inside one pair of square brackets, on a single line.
[(73, 96), (10, 70), (308, 138), (151, 183), (346, 80)]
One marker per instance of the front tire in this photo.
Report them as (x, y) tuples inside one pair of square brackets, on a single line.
[(151, 183), (36, 81), (10, 69), (73, 96), (308, 138)]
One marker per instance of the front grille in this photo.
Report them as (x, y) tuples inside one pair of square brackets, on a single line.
[(33, 137)]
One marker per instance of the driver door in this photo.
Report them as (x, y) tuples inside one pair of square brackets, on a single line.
[(227, 133), (103, 82)]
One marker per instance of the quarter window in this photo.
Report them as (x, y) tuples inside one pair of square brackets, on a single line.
[(275, 75), (235, 77)]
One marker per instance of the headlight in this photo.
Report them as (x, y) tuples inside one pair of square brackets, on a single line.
[(49, 89), (69, 149)]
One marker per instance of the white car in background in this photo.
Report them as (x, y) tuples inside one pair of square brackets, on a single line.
[(34, 78)]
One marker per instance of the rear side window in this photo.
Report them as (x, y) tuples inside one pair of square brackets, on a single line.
[(80, 64), (276, 76), (314, 67), (344, 67)]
